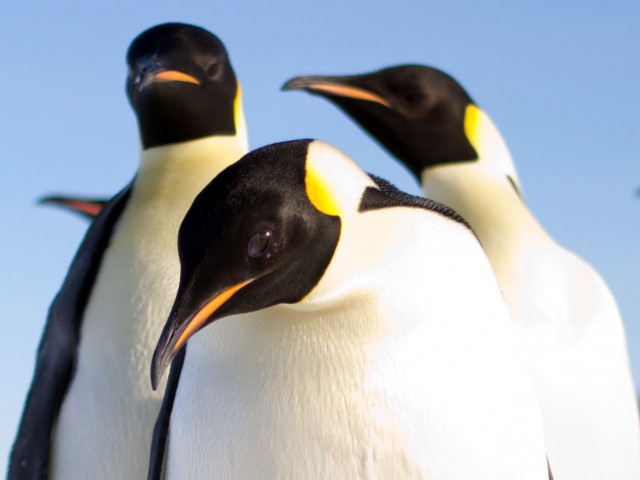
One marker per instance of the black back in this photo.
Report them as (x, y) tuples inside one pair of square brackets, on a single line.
[(388, 195), (57, 353)]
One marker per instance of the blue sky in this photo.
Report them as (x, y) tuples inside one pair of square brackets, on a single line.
[(560, 79)]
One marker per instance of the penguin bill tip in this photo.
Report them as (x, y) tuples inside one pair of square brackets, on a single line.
[(162, 357), (157, 370), (296, 83)]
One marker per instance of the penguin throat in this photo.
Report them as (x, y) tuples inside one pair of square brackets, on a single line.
[(205, 156), (420, 148)]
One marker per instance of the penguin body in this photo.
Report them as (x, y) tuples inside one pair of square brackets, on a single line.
[(569, 326), (565, 316), (330, 364), (102, 425)]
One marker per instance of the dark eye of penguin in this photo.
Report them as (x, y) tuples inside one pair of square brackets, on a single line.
[(213, 70), (259, 243), (414, 98)]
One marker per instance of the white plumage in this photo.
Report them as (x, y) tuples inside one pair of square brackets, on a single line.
[(400, 363), (567, 319), (108, 414)]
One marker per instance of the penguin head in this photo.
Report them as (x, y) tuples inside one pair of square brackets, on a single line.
[(419, 114), (181, 85), (262, 233)]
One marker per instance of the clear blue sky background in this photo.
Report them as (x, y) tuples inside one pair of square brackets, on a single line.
[(560, 79)]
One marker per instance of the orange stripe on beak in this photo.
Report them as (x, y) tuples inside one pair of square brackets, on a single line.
[(349, 92), (175, 76), (205, 312)]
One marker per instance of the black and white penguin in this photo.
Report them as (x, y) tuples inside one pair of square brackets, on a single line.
[(367, 335), (90, 412), (86, 207), (567, 319)]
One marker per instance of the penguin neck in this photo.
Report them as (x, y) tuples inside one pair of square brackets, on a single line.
[(179, 162), (208, 155), (241, 125), (367, 256), (493, 154), (487, 193)]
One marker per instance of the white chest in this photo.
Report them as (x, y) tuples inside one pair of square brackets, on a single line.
[(108, 414), (568, 326)]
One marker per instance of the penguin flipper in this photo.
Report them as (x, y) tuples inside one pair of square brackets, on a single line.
[(87, 207), (161, 430), (55, 362)]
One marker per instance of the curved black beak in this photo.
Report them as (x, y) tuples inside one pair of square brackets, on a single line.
[(152, 71), (182, 324), (336, 86)]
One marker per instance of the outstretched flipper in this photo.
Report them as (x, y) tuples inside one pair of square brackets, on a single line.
[(87, 207)]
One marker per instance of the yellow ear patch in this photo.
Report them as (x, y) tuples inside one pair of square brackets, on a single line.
[(319, 193), (472, 125), (237, 105)]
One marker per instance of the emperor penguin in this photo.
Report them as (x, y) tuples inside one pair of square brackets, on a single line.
[(85, 207), (567, 319), (90, 412), (367, 336)]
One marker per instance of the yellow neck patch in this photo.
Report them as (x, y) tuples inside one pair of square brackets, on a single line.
[(319, 193), (237, 106), (472, 125)]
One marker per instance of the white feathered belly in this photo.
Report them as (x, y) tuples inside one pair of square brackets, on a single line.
[(265, 396)]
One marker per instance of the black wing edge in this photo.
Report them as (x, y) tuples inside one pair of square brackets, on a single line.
[(157, 455), (388, 195), (56, 357), (549, 469)]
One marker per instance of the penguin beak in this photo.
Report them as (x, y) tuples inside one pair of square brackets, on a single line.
[(334, 86), (155, 73), (174, 76), (182, 325)]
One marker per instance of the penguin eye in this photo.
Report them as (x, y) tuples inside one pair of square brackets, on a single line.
[(259, 243), (414, 97), (212, 71)]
